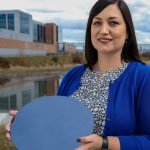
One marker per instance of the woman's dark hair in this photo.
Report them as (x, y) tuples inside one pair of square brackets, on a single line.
[(130, 50)]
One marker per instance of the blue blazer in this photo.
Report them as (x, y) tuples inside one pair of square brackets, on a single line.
[(128, 108)]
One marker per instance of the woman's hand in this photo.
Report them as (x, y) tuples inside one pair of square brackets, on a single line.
[(7, 127), (91, 142)]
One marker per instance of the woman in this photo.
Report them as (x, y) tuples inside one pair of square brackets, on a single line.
[(114, 83)]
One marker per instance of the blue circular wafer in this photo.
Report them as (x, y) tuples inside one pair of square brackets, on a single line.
[(51, 123)]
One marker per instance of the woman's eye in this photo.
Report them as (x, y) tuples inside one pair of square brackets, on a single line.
[(97, 23), (114, 23)]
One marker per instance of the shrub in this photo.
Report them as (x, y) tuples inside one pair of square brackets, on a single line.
[(76, 58), (146, 55), (5, 144), (55, 59), (4, 63)]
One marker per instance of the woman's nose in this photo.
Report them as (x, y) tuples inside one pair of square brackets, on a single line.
[(105, 29)]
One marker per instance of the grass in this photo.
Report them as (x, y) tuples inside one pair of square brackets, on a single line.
[(22, 66), (35, 69), (5, 144), (147, 62), (45, 60), (29, 65)]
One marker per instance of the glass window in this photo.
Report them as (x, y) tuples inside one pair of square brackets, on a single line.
[(35, 31), (24, 23), (10, 21), (39, 33), (3, 21)]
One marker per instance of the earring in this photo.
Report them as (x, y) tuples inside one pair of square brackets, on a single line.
[(126, 42)]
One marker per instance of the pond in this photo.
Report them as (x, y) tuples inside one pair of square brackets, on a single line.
[(17, 92)]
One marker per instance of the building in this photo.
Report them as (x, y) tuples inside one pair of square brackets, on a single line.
[(20, 35)]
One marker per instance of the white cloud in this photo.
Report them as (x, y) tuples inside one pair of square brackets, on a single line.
[(145, 2), (143, 37), (130, 1), (77, 10), (72, 8), (74, 35)]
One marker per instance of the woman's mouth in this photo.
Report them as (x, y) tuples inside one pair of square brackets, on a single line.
[(105, 40)]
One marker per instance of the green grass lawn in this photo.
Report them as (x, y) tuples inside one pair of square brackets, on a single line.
[(45, 60), (5, 144), (19, 66)]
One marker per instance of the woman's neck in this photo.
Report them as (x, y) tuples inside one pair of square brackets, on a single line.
[(105, 64)]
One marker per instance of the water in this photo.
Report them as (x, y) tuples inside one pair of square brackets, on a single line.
[(15, 93)]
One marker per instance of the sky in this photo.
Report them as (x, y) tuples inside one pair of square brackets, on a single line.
[(72, 15)]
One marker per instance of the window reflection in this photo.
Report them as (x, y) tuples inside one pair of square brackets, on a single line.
[(4, 103), (13, 102), (40, 88), (14, 96), (26, 97), (8, 102)]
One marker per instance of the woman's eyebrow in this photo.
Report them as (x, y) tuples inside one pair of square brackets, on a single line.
[(98, 18), (111, 18)]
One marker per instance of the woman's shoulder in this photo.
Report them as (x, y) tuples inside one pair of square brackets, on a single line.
[(77, 69), (142, 71), (142, 67), (72, 76)]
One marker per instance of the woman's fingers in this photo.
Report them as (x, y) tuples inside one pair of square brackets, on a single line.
[(88, 139), (7, 127), (12, 113), (86, 146), (8, 136), (91, 142)]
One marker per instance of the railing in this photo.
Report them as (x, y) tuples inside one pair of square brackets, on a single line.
[(144, 48), (81, 46)]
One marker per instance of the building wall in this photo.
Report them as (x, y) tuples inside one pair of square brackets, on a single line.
[(51, 34), (10, 47), (16, 34), (7, 52), (20, 41), (69, 48)]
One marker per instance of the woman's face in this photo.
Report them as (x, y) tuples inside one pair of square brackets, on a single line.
[(108, 31)]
